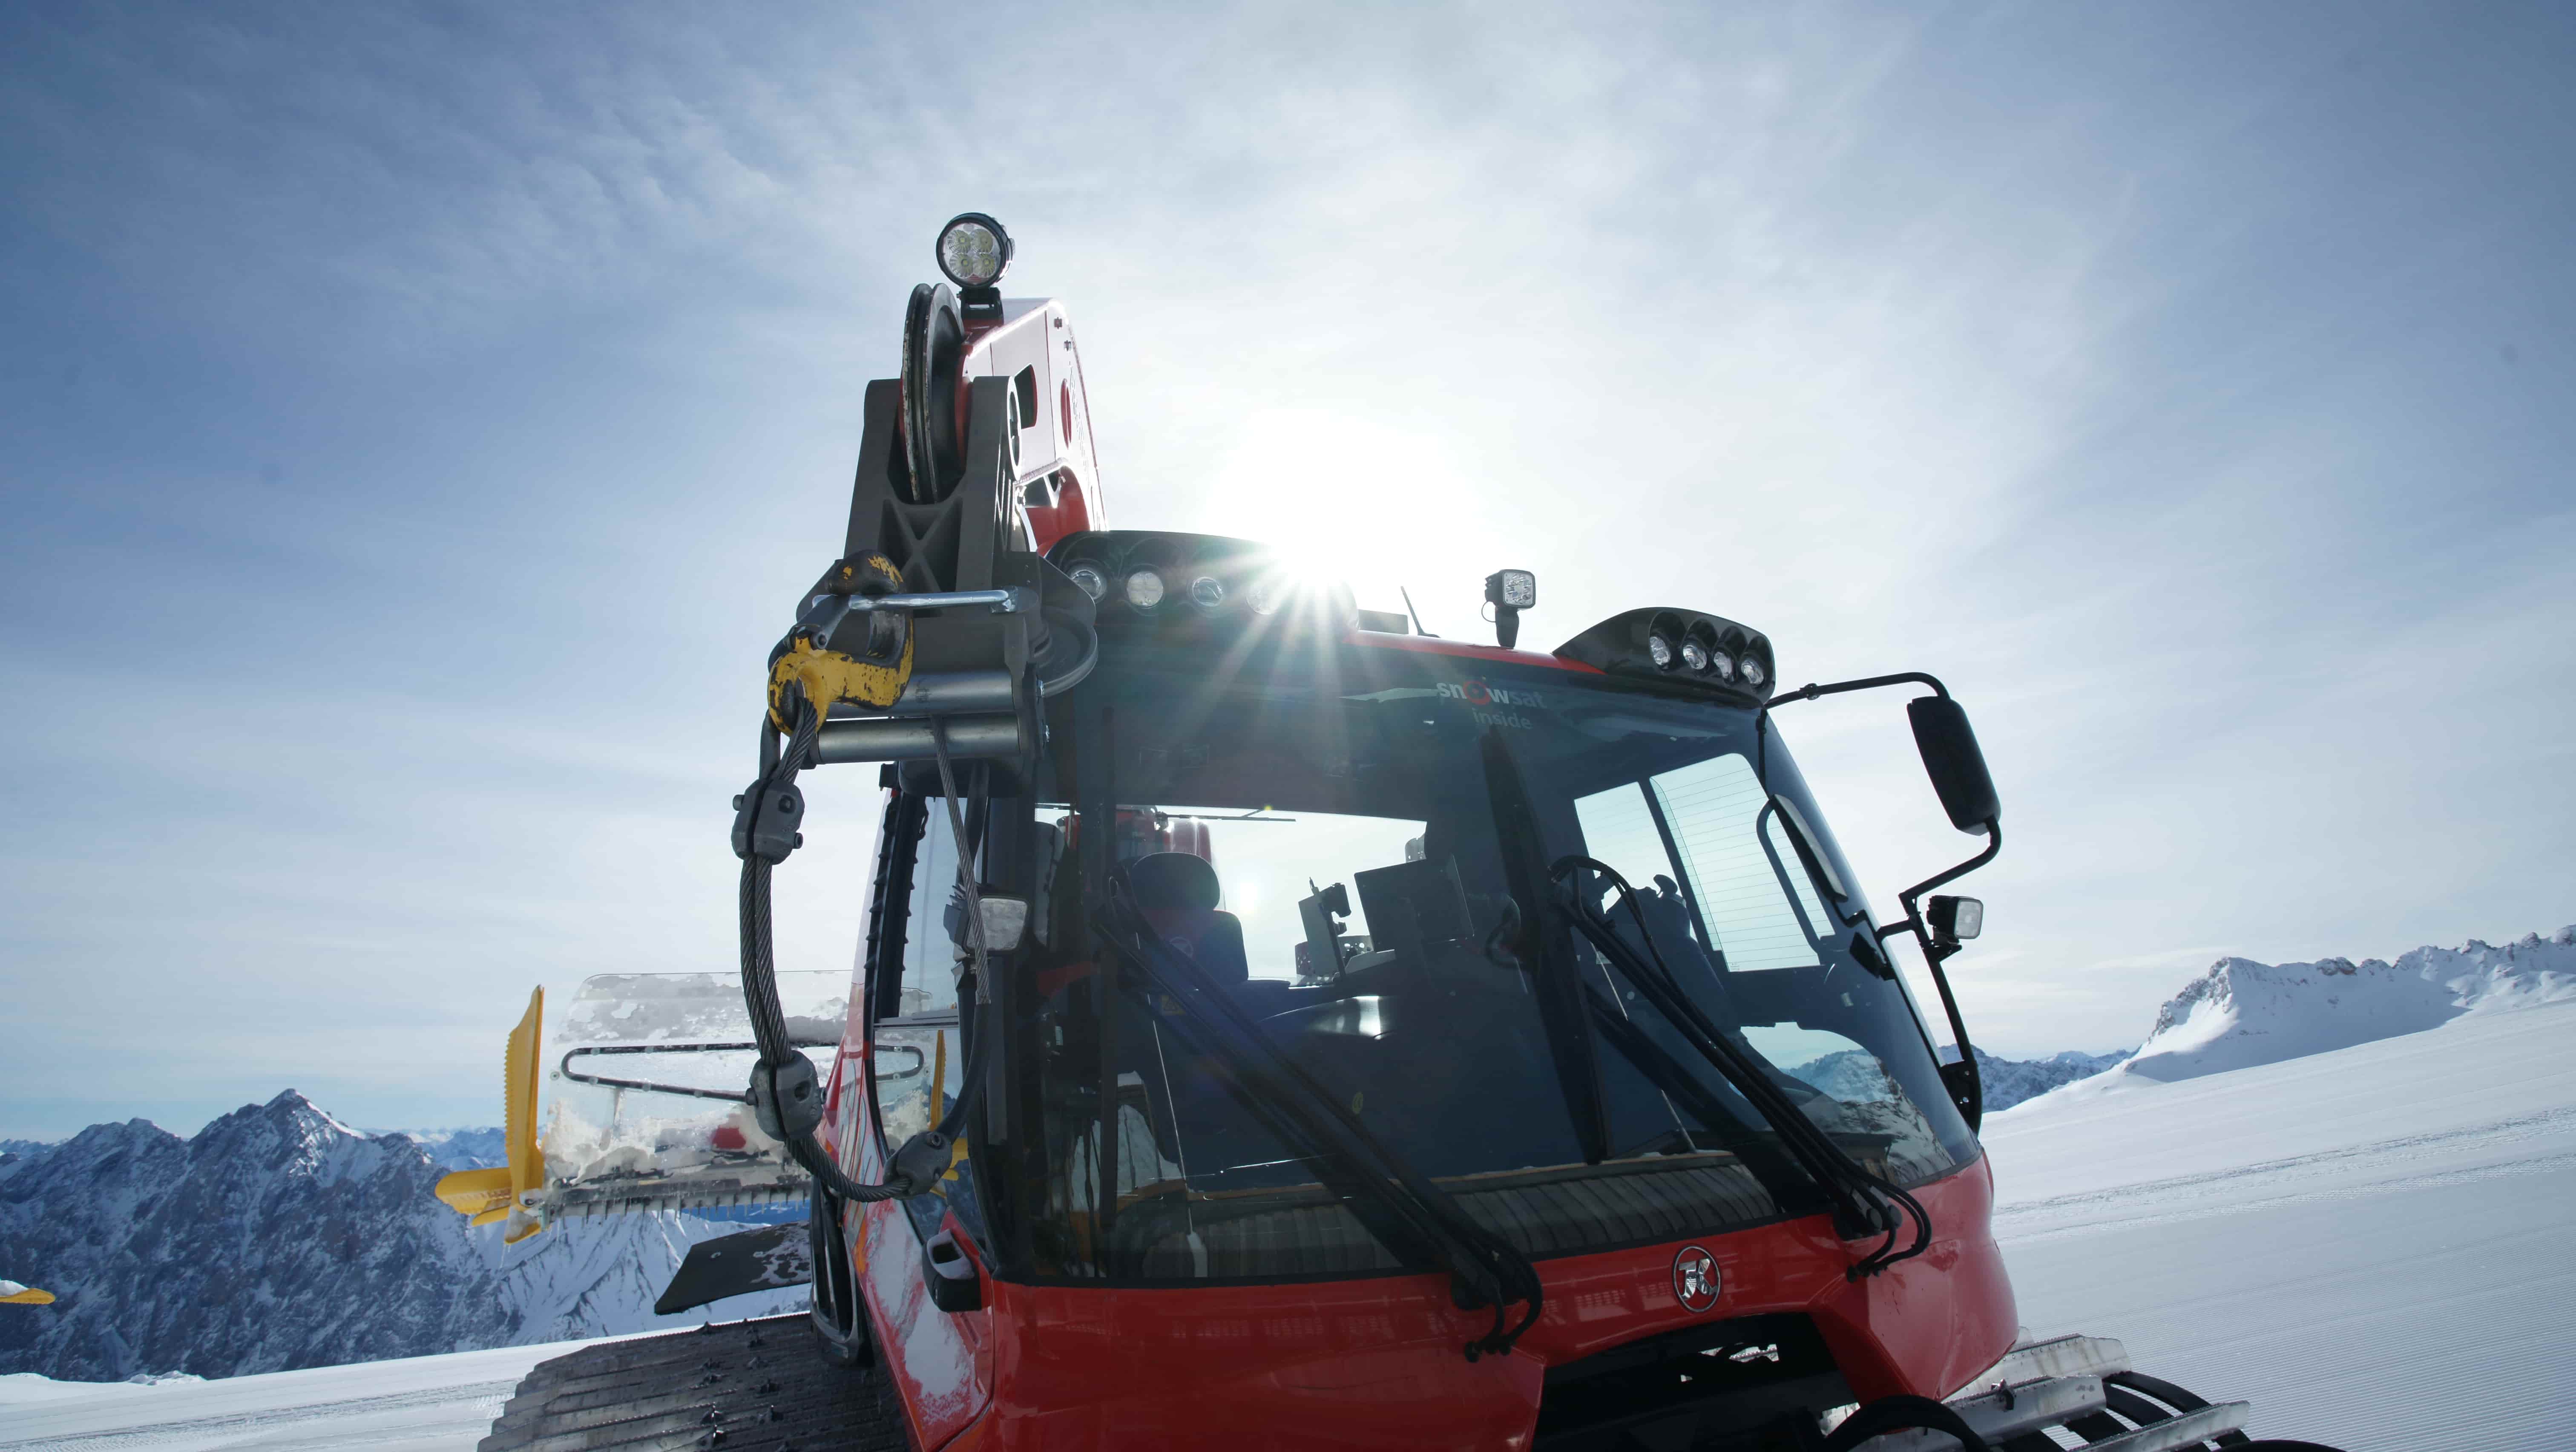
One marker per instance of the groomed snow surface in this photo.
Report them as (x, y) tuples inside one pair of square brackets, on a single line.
[(2370, 1244), (422, 1404), (2373, 1245)]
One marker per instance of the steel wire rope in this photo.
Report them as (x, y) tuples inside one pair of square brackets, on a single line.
[(779, 769)]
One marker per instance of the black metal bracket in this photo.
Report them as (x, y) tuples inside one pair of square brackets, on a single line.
[(949, 1272), (787, 1098)]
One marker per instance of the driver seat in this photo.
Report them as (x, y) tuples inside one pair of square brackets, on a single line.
[(1178, 894)]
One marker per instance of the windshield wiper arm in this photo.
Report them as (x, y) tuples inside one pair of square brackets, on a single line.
[(1571, 1012), (1486, 1269), (1857, 1192), (1545, 953)]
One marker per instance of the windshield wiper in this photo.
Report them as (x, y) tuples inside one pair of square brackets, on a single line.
[(1573, 1012), (1485, 1269), (1862, 1196), (1565, 1012)]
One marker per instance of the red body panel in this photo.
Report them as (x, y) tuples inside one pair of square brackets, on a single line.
[(1054, 442), (1377, 1361), (1434, 645)]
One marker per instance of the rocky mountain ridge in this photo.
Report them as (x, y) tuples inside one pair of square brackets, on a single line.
[(278, 1238)]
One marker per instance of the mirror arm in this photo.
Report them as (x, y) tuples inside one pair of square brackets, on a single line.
[(1811, 690), (1972, 1097), (1965, 1086), (1913, 918)]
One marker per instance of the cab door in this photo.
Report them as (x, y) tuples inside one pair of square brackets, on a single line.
[(939, 1359)]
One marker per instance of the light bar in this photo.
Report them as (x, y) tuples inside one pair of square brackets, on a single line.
[(1681, 647), (1142, 574)]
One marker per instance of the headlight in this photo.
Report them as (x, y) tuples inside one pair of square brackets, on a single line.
[(1754, 675), (1660, 650), (1207, 592), (1694, 655), (1093, 583), (973, 250), (1144, 589)]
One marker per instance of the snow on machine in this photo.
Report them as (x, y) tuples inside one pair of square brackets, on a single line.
[(1278, 1027)]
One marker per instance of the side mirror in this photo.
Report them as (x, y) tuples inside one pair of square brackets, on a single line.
[(1952, 760)]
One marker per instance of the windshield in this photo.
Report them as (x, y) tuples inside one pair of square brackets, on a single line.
[(1318, 833)]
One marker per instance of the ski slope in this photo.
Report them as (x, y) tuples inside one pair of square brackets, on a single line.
[(421, 1404), (2370, 1244)]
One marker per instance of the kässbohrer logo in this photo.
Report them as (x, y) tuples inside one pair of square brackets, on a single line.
[(1695, 1278)]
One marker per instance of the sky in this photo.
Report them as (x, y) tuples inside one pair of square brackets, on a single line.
[(416, 423)]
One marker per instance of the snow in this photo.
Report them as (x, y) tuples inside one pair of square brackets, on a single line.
[(2369, 1243), (422, 1404)]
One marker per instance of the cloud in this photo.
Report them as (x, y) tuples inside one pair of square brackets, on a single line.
[(420, 420)]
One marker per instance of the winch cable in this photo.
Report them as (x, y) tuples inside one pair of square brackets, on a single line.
[(966, 883), (1824, 1158), (786, 1092)]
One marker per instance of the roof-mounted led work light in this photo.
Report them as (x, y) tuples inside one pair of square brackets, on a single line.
[(1510, 592), (973, 251)]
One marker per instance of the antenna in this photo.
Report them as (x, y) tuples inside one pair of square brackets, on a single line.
[(1408, 610)]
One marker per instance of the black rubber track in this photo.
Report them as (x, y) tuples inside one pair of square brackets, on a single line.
[(746, 1386)]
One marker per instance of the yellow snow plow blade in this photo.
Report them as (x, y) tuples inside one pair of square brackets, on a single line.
[(14, 1294), (488, 1196)]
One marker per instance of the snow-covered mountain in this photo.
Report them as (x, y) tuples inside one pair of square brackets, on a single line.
[(279, 1237), (461, 1148), (2008, 1082), (2242, 1013), (1854, 1075)]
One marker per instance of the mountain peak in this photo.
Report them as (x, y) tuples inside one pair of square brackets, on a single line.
[(2241, 1013)]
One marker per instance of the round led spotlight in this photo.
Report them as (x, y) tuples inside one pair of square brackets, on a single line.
[(1754, 674), (1088, 576), (1721, 665), (1659, 649), (1207, 592), (1267, 597), (973, 250), (1694, 656), (1144, 589)]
